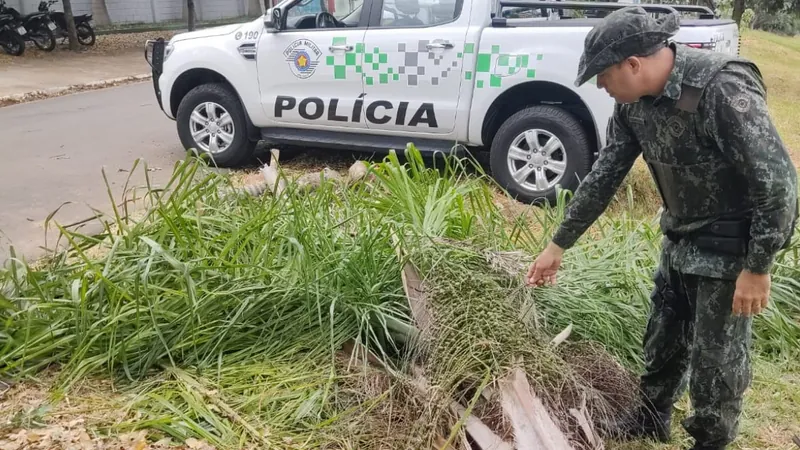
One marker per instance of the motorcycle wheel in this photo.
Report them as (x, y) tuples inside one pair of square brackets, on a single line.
[(85, 34), (13, 44), (43, 38)]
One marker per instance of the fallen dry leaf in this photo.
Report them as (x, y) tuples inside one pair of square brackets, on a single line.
[(84, 438), (162, 443), (33, 436), (196, 444)]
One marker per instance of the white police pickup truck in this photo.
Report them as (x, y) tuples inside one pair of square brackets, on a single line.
[(373, 75)]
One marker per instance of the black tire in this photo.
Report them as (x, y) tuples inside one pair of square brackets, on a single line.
[(85, 34), (13, 44), (576, 148), (45, 39), (241, 147)]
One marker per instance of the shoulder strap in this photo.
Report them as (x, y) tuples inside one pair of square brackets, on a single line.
[(689, 99)]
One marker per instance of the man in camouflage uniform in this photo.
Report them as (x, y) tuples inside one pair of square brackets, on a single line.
[(729, 190)]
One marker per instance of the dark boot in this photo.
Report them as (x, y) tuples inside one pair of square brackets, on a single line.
[(643, 423)]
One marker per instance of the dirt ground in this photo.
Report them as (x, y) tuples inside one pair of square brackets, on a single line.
[(32, 419), (112, 56)]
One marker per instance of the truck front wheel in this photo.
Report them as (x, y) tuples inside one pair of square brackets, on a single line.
[(212, 121), (538, 149)]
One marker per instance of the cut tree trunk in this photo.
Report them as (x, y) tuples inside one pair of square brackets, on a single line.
[(412, 284), (71, 31), (483, 436), (533, 427)]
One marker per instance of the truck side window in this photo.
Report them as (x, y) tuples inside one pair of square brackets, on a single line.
[(416, 13), (303, 14), (345, 8)]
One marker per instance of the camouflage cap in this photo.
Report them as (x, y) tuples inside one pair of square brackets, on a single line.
[(624, 33)]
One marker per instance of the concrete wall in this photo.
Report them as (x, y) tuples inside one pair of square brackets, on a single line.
[(153, 11)]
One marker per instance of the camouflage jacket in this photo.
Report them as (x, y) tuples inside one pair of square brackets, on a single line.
[(709, 139)]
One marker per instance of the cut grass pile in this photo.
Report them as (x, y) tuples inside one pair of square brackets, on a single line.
[(242, 321)]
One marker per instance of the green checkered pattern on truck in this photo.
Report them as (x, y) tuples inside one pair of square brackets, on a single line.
[(412, 63), (507, 64)]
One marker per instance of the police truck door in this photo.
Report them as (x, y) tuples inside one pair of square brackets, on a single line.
[(307, 72), (413, 65)]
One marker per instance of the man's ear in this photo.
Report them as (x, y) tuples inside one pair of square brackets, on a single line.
[(634, 63)]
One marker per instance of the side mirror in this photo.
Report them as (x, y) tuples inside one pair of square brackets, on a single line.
[(272, 19)]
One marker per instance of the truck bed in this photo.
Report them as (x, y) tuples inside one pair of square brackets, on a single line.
[(565, 22), (706, 15), (698, 24)]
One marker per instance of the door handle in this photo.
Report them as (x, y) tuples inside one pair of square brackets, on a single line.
[(341, 48), (444, 44)]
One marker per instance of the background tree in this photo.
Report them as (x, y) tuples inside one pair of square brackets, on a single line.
[(738, 10), (253, 8), (190, 13), (71, 31)]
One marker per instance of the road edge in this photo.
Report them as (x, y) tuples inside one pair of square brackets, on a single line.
[(42, 94)]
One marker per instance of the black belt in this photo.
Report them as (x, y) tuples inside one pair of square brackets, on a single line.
[(730, 237)]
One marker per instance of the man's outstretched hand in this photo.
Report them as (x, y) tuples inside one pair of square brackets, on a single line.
[(752, 294), (544, 268)]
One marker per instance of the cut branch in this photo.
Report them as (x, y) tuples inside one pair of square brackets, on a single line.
[(533, 427)]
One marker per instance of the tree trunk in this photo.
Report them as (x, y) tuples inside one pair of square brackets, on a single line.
[(100, 12), (738, 10), (254, 8), (71, 31), (190, 13)]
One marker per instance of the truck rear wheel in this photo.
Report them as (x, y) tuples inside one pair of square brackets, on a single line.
[(538, 149), (212, 121)]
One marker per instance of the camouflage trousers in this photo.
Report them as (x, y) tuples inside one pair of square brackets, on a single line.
[(692, 338)]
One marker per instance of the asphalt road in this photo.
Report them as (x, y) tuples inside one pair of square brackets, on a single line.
[(54, 151)]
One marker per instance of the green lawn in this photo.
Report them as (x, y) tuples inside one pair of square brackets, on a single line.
[(771, 412), (778, 57)]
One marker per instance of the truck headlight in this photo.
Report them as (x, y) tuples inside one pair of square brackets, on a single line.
[(150, 45)]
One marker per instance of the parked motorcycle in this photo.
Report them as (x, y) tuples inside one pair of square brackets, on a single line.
[(83, 24), (11, 35), (38, 25)]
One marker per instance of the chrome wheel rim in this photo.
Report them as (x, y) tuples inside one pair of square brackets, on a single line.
[(211, 127), (537, 160)]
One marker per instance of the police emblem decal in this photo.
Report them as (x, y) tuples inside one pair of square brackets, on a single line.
[(741, 103), (676, 126), (303, 58)]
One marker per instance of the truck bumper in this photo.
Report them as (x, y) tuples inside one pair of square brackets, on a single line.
[(154, 55)]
